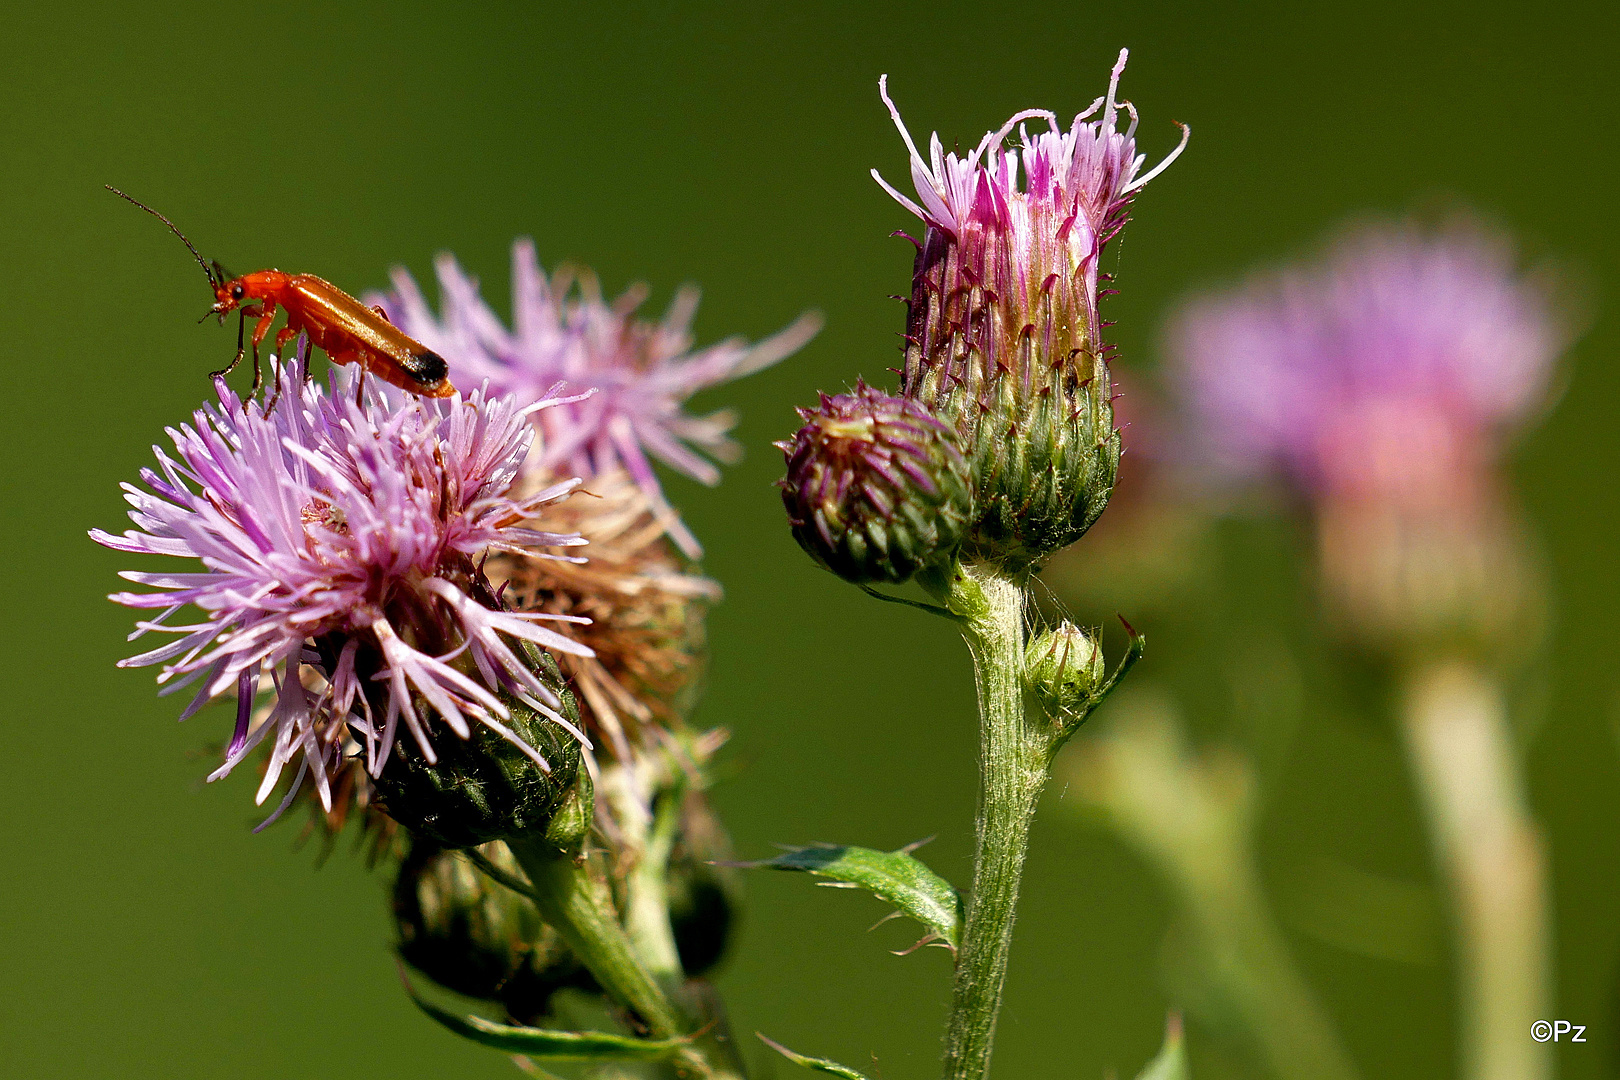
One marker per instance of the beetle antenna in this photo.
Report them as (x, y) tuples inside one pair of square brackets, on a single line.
[(212, 282)]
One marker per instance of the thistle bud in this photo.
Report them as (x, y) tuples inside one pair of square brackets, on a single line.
[(1003, 338), (1064, 667), (476, 937), (486, 787), (876, 488)]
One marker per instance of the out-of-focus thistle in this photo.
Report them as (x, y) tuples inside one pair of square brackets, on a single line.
[(1003, 338), (339, 537), (1383, 382), (875, 488), (641, 372)]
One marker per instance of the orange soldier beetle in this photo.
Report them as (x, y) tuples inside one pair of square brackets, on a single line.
[(349, 331)]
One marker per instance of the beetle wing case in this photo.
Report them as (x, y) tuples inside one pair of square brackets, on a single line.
[(351, 332)]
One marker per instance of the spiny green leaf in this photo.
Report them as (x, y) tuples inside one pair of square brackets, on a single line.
[(818, 1064), (894, 876), (549, 1045), (1171, 1062)]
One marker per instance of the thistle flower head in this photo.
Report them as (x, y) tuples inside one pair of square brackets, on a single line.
[(1403, 353), (339, 542), (564, 332), (876, 487), (1083, 179), (1381, 381), (1003, 336)]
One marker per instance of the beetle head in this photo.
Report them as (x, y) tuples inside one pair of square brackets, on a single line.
[(229, 292)]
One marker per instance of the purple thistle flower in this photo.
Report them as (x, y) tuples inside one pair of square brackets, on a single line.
[(1078, 183), (1399, 350), (339, 542), (642, 372), (1003, 338)]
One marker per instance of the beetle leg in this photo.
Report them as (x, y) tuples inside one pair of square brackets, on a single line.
[(258, 375), (267, 315), (241, 326), (378, 308)]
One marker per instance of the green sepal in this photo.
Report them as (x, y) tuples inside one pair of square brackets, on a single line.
[(818, 1064), (484, 788), (893, 876), (548, 1045), (1170, 1063)]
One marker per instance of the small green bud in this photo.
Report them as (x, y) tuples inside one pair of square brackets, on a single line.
[(476, 937), (484, 788), (1064, 667), (570, 823), (876, 488)]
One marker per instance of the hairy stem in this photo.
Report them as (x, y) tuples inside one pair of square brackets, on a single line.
[(1490, 851), (1015, 750)]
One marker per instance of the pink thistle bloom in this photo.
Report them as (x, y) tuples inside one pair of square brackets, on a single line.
[(1077, 190), (641, 372), (340, 545), (1382, 381), (1401, 353), (1003, 338)]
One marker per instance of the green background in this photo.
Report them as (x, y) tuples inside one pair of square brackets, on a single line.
[(145, 932)]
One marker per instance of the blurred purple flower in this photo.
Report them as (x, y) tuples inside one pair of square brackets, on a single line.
[(1402, 351), (642, 372), (339, 543)]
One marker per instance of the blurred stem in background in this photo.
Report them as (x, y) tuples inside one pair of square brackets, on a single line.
[(1193, 819), (1488, 848)]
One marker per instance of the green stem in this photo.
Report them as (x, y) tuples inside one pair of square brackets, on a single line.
[(647, 892), (1015, 751), (580, 907)]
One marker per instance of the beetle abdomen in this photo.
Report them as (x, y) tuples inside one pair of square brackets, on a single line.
[(427, 367)]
